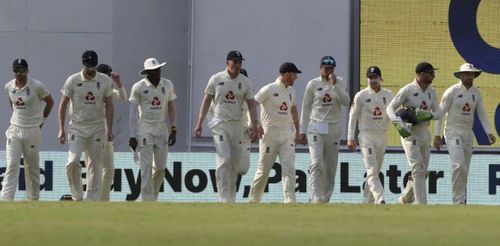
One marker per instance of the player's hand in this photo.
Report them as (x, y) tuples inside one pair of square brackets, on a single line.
[(437, 142), (132, 142), (61, 136), (197, 130), (300, 139), (172, 138), (332, 78), (116, 78), (110, 136), (351, 144), (260, 132), (492, 138)]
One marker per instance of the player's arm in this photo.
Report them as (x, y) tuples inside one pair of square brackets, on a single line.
[(10, 104), (133, 117), (110, 111), (341, 93), (63, 105), (354, 115), (172, 116), (120, 89), (305, 114), (444, 107), (205, 105), (295, 120), (49, 103), (395, 103), (483, 117)]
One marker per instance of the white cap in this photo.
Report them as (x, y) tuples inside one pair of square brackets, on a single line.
[(467, 67), (151, 64)]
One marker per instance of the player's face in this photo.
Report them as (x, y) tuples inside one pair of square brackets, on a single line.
[(374, 81), (289, 78), (155, 74), (234, 66), (467, 78), (20, 73), (326, 70), (428, 76)]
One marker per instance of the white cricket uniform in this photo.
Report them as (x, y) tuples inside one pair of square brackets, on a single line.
[(460, 104), (276, 101), (152, 132), (108, 167), (246, 140), (229, 96), (369, 111), (416, 146), (23, 137), (321, 112), (86, 131)]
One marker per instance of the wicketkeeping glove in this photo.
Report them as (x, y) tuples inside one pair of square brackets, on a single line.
[(407, 115), (424, 116), (402, 128)]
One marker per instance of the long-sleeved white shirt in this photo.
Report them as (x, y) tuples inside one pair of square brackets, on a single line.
[(369, 111), (411, 95), (460, 104), (323, 101)]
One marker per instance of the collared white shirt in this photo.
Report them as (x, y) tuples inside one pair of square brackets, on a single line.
[(152, 101), (323, 101), (27, 106), (460, 104), (369, 111), (276, 101), (229, 95), (87, 98)]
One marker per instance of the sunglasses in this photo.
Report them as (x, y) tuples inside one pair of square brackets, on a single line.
[(18, 70), (430, 72)]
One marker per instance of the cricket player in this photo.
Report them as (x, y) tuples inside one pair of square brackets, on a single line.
[(228, 90), (280, 123), (152, 99), (246, 141), (368, 111), (321, 112), (418, 97), (31, 104), (91, 96), (460, 102), (108, 167)]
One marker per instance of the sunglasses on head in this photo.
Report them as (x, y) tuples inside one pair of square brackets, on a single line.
[(328, 62)]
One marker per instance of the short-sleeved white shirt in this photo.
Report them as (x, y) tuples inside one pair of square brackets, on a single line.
[(369, 111), (87, 100), (152, 101), (276, 101), (27, 102), (229, 95)]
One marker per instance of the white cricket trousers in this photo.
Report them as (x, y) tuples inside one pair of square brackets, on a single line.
[(418, 154), (373, 150), (324, 153), (93, 147), (459, 143), (108, 169), (276, 141), (246, 144), (227, 137), (153, 153), (22, 142)]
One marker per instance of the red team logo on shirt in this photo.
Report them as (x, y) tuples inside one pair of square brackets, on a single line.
[(377, 112), (230, 96), (327, 98), (424, 106), (156, 101), (19, 102), (90, 97), (283, 106), (466, 107)]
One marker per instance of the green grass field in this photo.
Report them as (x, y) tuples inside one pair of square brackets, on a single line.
[(145, 224)]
